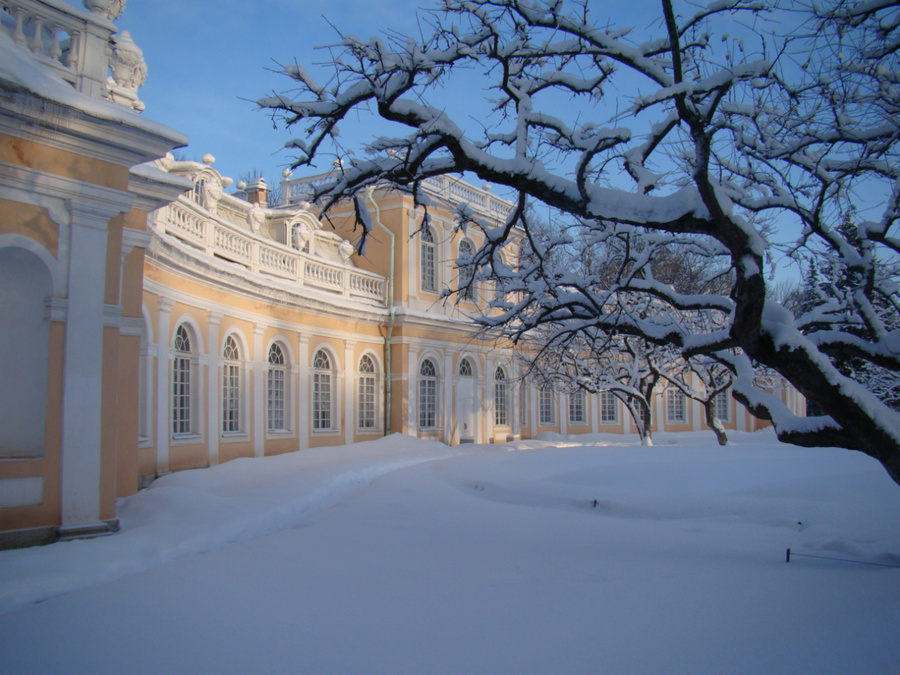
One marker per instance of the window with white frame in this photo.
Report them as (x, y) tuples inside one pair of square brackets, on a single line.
[(609, 408), (465, 368), (183, 418), (428, 395), (428, 260), (501, 398), (323, 392), (466, 285), (723, 409), (197, 191), (367, 394), (231, 386), (546, 406), (576, 407), (276, 395), (675, 406)]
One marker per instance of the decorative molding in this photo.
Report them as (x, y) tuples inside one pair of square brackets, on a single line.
[(132, 238), (56, 309), (66, 128), (112, 315), (131, 326), (91, 201)]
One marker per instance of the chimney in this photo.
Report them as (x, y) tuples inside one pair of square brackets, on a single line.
[(258, 192)]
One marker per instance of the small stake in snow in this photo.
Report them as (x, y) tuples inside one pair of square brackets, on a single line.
[(595, 503), (787, 558)]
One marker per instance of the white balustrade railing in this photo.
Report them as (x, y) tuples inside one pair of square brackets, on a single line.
[(72, 42), (190, 222)]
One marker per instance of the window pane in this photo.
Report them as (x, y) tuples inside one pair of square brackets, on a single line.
[(675, 406), (429, 275), (576, 407), (275, 398), (609, 408), (545, 406)]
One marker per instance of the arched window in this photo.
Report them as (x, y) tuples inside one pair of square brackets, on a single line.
[(183, 395), (428, 400), (501, 398), (466, 285), (231, 386), (275, 389), (367, 395), (323, 392), (428, 261), (465, 368)]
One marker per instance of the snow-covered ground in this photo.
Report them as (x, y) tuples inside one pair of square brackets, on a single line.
[(402, 556)]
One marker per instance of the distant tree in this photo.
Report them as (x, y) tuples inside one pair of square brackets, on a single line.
[(702, 133)]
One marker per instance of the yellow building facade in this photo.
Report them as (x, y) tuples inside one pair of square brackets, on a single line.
[(74, 200), (164, 319)]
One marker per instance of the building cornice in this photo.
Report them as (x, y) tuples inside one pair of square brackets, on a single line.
[(119, 141)]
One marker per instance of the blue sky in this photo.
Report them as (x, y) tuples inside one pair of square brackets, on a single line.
[(208, 60)]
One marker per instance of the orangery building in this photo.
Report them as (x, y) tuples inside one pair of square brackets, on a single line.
[(164, 318)]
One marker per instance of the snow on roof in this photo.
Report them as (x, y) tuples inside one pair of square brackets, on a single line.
[(20, 71)]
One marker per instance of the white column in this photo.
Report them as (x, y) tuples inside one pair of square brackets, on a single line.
[(163, 368), (259, 391), (349, 380), (594, 411), (83, 366), (214, 391)]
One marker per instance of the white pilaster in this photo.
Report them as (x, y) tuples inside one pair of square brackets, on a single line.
[(562, 404), (412, 394), (447, 397), (214, 391), (163, 367), (260, 366), (302, 391), (348, 380), (83, 365)]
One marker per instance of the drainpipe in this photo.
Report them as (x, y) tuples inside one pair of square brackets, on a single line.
[(388, 339)]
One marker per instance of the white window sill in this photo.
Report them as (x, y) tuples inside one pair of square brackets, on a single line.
[(186, 439)]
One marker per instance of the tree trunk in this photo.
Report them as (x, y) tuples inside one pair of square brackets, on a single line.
[(714, 422)]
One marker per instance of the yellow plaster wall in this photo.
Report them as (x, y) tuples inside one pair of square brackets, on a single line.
[(29, 221), (53, 160)]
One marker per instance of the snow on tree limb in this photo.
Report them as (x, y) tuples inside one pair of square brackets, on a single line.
[(686, 139)]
